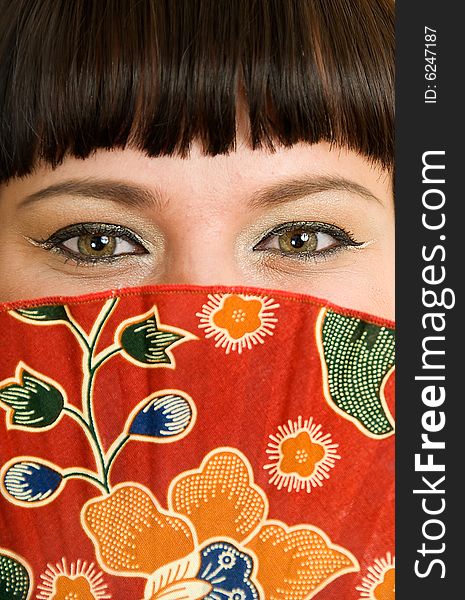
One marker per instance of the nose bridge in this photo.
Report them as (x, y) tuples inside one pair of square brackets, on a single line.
[(201, 253), (198, 276), (207, 264)]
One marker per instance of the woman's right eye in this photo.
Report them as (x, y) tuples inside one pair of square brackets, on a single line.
[(98, 246), (94, 242)]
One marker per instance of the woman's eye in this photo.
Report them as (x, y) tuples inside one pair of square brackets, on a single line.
[(302, 240), (96, 246), (305, 239), (91, 242)]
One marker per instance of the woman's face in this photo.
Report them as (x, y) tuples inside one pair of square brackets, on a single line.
[(307, 219)]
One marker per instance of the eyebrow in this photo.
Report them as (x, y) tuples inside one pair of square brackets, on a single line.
[(294, 189), (114, 191), (141, 197)]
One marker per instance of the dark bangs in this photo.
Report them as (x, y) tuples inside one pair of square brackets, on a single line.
[(78, 75)]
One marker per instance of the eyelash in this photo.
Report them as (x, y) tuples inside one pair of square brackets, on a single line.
[(55, 241), (345, 237)]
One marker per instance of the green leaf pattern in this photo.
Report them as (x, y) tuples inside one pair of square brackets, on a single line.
[(146, 343), (44, 314), (35, 402), (358, 356), (14, 578)]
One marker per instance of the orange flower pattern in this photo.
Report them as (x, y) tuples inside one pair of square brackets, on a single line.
[(78, 581), (201, 497), (135, 535), (67, 588), (297, 562), (386, 589), (301, 456), (237, 321), (239, 316), (380, 580), (215, 541)]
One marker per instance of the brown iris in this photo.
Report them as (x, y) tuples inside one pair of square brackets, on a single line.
[(298, 240), (96, 245)]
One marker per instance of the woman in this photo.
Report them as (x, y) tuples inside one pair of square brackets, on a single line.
[(205, 144)]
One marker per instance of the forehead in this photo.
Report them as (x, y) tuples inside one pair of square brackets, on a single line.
[(198, 178)]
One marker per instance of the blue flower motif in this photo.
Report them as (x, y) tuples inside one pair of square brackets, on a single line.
[(163, 417), (31, 481), (227, 570)]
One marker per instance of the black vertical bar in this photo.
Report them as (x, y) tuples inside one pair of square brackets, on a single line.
[(430, 118)]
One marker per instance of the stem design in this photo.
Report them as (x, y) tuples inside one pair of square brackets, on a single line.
[(86, 419), (75, 414), (78, 474), (104, 356), (79, 333), (118, 446)]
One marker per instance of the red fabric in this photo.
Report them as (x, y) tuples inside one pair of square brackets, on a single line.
[(240, 399)]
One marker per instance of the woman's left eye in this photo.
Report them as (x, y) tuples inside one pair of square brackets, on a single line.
[(305, 239)]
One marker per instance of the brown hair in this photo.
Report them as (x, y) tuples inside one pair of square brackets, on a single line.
[(156, 74)]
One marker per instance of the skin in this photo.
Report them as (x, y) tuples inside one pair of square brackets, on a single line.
[(203, 221)]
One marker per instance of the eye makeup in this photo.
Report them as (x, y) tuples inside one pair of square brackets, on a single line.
[(93, 243), (304, 240)]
